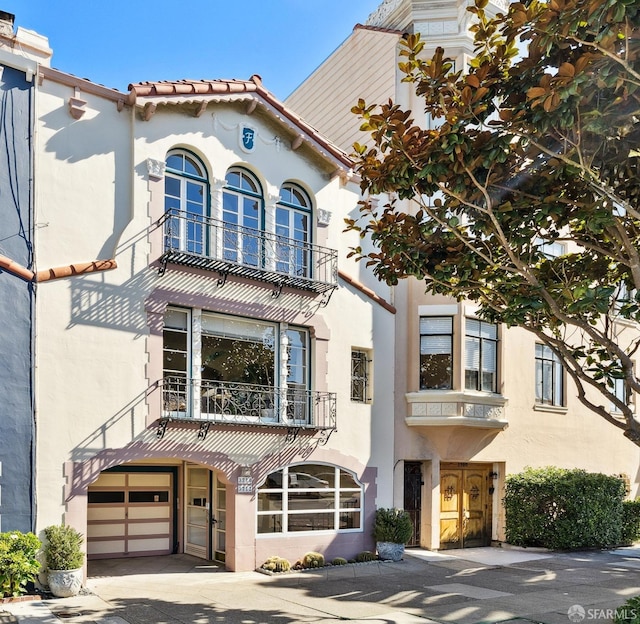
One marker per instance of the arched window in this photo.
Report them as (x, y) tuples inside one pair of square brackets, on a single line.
[(310, 497), (186, 192), (293, 231), (242, 217)]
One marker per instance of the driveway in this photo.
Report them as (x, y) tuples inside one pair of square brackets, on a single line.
[(466, 587)]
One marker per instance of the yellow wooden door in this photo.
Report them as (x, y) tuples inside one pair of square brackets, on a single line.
[(450, 506), (474, 508), (465, 507)]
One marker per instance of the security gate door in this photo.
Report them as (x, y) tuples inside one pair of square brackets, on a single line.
[(413, 497), (465, 507)]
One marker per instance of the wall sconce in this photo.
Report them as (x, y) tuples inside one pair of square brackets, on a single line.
[(493, 475)]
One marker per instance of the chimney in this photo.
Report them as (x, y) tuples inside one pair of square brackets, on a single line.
[(6, 23)]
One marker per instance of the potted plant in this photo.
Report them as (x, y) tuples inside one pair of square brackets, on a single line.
[(392, 530), (64, 558)]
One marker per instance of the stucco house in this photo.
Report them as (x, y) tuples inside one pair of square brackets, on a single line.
[(206, 366), (474, 402)]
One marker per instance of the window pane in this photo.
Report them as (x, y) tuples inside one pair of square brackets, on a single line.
[(350, 520), (311, 522), (105, 497), (472, 327), (435, 372), (270, 523), (270, 501), (175, 161), (236, 360), (233, 179), (489, 354), (314, 499), (171, 186), (297, 357), (436, 325), (435, 344), (149, 497), (190, 166), (472, 353)]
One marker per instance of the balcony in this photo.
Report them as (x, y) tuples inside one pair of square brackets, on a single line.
[(195, 400), (201, 242), (451, 408)]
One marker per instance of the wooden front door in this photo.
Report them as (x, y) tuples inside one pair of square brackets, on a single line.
[(465, 506)]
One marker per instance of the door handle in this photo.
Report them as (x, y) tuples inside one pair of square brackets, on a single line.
[(213, 519)]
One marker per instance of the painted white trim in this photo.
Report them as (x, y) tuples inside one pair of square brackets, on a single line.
[(29, 67), (451, 396), (453, 421), (438, 310)]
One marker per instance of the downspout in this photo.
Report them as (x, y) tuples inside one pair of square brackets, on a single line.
[(70, 270)]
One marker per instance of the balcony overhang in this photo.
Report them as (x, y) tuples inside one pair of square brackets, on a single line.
[(201, 242), (224, 268), (204, 404), (451, 408)]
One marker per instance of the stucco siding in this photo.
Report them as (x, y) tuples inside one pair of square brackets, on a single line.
[(16, 408), (362, 67)]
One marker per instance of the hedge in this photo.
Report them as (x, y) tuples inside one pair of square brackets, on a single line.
[(564, 509), (630, 530)]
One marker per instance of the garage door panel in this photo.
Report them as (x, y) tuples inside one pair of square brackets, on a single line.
[(146, 545), (149, 480), (149, 528), (110, 547), (155, 511), (141, 523), (105, 513), (105, 530), (108, 479)]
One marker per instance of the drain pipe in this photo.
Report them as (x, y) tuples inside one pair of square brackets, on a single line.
[(57, 272)]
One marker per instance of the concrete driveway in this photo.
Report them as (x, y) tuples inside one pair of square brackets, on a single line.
[(467, 587)]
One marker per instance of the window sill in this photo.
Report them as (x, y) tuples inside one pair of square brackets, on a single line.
[(555, 409)]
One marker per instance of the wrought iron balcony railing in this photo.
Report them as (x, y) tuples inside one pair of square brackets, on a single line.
[(239, 403), (202, 242)]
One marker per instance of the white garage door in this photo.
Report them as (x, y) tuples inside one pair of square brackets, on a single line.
[(130, 515)]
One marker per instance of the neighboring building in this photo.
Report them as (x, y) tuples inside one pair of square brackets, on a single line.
[(474, 401), (205, 379), (17, 292)]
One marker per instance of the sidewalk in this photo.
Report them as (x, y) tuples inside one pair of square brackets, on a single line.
[(465, 587)]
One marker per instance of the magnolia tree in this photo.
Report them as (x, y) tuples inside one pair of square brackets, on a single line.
[(524, 199)]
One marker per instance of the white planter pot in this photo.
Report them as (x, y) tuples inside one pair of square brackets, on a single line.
[(389, 551), (65, 583)]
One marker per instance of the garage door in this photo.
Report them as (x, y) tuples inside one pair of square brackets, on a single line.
[(130, 515)]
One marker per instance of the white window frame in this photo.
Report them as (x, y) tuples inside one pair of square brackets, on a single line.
[(285, 513)]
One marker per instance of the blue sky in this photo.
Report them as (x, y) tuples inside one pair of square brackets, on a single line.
[(117, 42)]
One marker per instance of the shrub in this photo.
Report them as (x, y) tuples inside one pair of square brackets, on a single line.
[(338, 561), (63, 548), (313, 560), (630, 529), (366, 555), (629, 612), (18, 563), (392, 525), (276, 564), (563, 509)]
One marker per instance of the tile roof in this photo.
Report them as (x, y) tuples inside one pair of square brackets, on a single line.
[(169, 92)]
